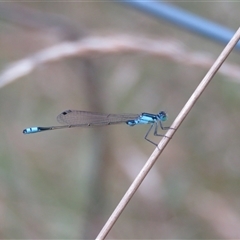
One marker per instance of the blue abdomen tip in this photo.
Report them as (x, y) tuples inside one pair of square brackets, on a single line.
[(31, 130)]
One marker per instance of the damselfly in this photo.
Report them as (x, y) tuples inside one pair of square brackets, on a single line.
[(76, 118)]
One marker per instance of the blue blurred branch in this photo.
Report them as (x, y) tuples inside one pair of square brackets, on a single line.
[(185, 20)]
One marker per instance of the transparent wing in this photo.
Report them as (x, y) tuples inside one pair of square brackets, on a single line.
[(84, 118)]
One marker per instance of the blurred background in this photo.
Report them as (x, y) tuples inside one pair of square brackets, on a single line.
[(66, 183)]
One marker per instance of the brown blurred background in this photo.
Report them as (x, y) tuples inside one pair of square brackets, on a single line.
[(66, 183)]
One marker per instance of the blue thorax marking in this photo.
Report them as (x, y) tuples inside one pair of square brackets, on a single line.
[(144, 118)]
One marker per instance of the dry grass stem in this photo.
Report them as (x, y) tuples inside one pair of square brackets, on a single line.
[(163, 143)]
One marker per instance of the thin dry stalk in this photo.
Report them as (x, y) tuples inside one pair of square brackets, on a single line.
[(163, 143), (115, 44)]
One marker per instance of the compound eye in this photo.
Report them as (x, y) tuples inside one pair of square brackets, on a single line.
[(163, 116)]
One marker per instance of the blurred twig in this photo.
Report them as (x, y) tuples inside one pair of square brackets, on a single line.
[(163, 143), (114, 44)]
